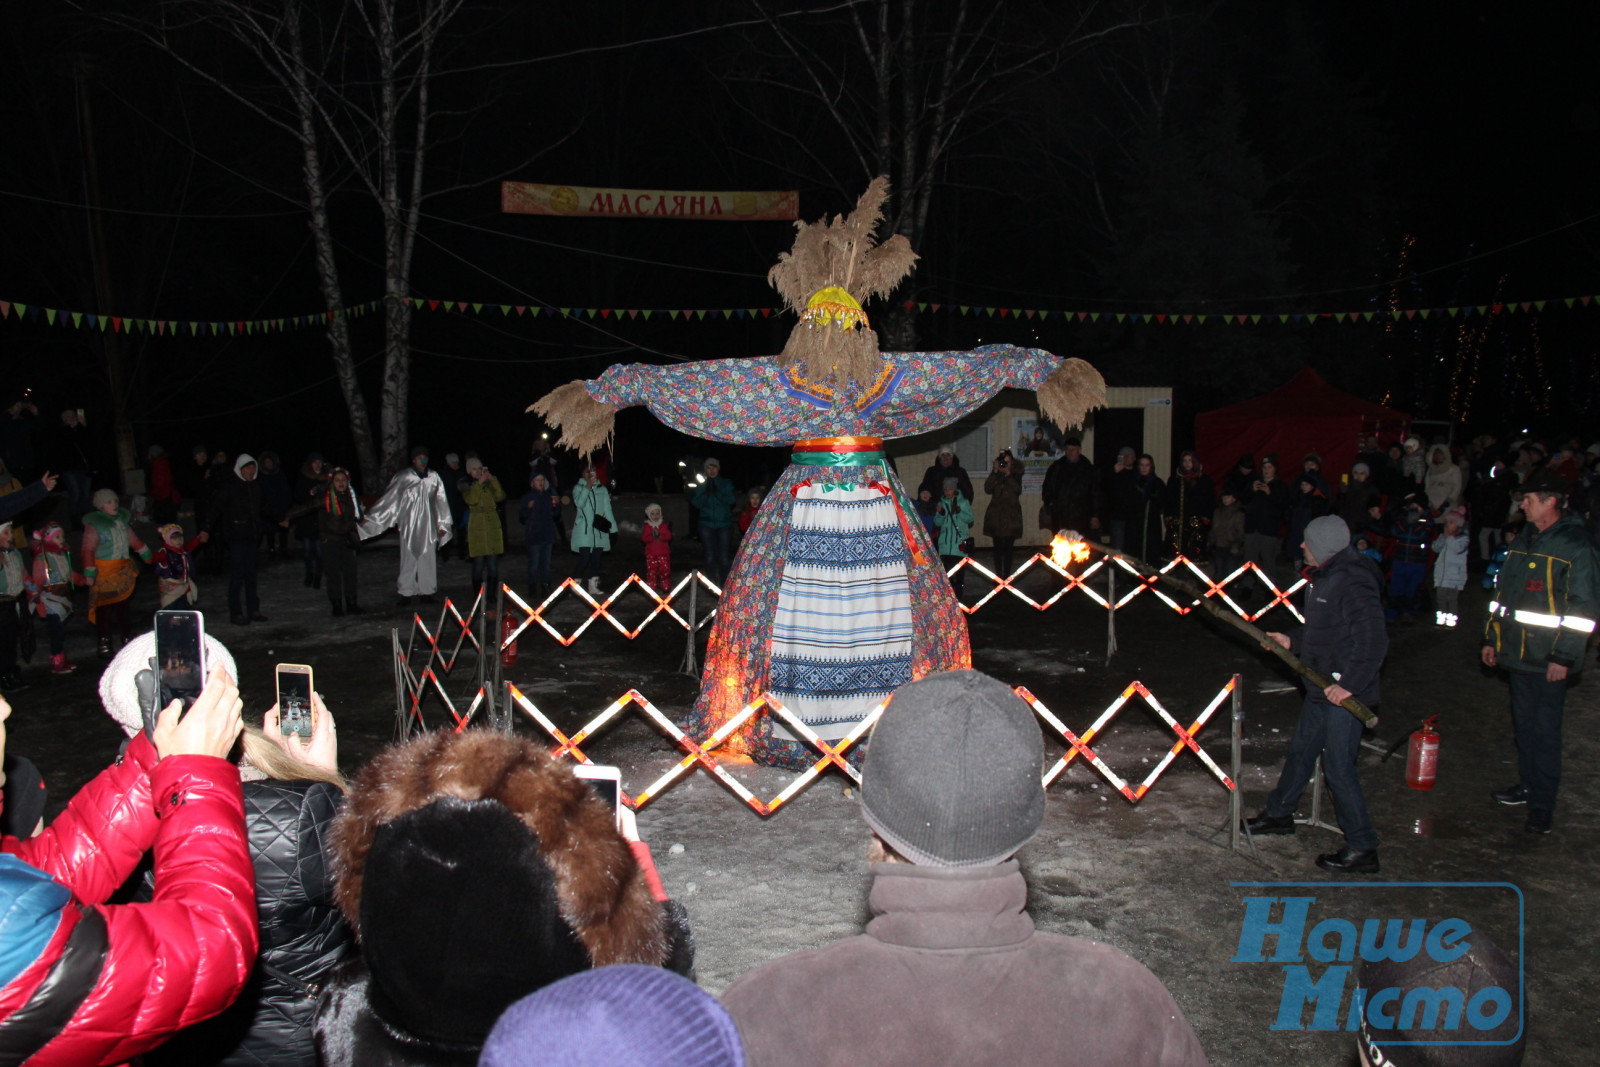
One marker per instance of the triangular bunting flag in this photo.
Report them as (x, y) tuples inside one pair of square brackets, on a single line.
[(1255, 320), (5, 308), (1526, 304), (1161, 319), (910, 304), (727, 313), (766, 313), (1367, 315), (461, 305), (1424, 312), (22, 309), (1094, 316), (701, 314), (116, 324), (922, 307), (1242, 319), (1411, 313), (478, 308), (964, 307), (1482, 308), (936, 307), (1453, 312), (647, 312), (1083, 315), (991, 312), (1568, 301), (77, 318), (50, 315), (591, 312), (1283, 319), (1201, 319), (1539, 304), (1584, 300), (633, 313), (1004, 312), (1029, 313), (605, 313), (1187, 319), (1121, 316)]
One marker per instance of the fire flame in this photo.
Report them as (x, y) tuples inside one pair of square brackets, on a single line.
[(1067, 548)]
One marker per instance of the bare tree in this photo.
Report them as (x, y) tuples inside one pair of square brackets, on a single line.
[(349, 84), (897, 87)]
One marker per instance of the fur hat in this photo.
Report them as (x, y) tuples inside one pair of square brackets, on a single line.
[(119, 684), (616, 1015), (953, 769), (476, 869)]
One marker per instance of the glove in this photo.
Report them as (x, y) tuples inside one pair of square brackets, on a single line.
[(145, 682)]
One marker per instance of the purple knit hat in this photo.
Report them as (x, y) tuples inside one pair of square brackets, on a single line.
[(626, 1015)]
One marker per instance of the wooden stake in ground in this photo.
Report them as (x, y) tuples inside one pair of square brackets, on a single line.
[(1315, 677)]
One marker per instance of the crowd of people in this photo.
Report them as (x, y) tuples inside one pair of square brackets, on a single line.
[(224, 894)]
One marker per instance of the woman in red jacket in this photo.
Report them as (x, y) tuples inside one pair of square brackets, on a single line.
[(84, 982)]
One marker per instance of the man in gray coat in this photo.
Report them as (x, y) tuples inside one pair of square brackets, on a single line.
[(950, 968)]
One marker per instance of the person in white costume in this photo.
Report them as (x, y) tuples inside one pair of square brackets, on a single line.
[(415, 505)]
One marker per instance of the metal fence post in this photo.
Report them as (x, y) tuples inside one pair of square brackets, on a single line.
[(401, 718), (1236, 802), (1111, 612), (688, 666)]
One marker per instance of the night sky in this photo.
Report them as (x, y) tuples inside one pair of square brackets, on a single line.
[(1301, 149)]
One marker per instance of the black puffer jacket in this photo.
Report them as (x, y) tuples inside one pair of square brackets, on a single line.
[(302, 935), (236, 510), (1344, 635)]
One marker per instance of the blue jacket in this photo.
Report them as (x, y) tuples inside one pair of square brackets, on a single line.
[(538, 515), (714, 501)]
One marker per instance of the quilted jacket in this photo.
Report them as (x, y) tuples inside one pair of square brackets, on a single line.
[(109, 982), (302, 935)]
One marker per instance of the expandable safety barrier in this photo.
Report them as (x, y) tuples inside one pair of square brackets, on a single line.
[(701, 753)]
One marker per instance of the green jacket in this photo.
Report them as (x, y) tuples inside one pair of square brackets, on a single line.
[(484, 536), (1546, 598), (952, 518), (714, 501), (588, 502)]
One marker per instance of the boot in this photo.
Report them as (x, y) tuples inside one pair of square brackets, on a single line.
[(594, 586), (59, 664), (12, 681), (351, 606)]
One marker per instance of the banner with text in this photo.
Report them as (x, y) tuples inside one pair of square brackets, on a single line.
[(581, 201)]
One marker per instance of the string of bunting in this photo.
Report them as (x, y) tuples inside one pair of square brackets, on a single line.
[(86, 320)]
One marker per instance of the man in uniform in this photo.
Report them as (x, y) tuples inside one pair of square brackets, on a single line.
[(1543, 612)]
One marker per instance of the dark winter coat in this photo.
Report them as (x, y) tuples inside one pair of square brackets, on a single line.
[(1412, 536), (1188, 505), (237, 512), (537, 513), (1344, 635), (1227, 528), (1139, 505), (951, 970), (1004, 516), (1264, 508), (276, 496), (302, 935), (1354, 502), (714, 500), (309, 488), (1072, 493), (1308, 505), (70, 449), (1546, 598), (453, 480), (1491, 499), (933, 480)]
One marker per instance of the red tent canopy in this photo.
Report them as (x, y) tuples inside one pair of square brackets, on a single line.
[(1305, 414)]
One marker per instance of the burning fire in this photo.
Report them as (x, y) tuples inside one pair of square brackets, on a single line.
[(1067, 548)]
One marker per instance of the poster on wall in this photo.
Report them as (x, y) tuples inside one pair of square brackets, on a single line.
[(1037, 444)]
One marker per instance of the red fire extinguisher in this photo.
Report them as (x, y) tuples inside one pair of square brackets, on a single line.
[(1422, 758), (508, 647)]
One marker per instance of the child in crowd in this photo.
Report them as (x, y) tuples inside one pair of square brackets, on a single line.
[(953, 518), (174, 566), (1450, 568), (108, 567), (925, 512), (1507, 533), (657, 537), (51, 590), (747, 514), (539, 511), (1411, 532), (1227, 535), (13, 586), (1366, 546)]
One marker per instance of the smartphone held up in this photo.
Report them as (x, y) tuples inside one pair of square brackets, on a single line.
[(607, 784), (180, 657), (294, 699)]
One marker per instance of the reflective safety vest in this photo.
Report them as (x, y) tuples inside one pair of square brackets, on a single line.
[(1546, 597)]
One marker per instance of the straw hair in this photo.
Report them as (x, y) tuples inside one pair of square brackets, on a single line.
[(1072, 391), (585, 422), (844, 253)]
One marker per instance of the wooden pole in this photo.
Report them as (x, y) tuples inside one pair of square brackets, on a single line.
[(1315, 677)]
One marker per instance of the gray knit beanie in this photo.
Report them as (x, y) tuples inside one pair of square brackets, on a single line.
[(1326, 537), (953, 772)]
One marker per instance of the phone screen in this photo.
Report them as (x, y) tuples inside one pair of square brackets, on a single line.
[(180, 656), (294, 702), (607, 788)]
